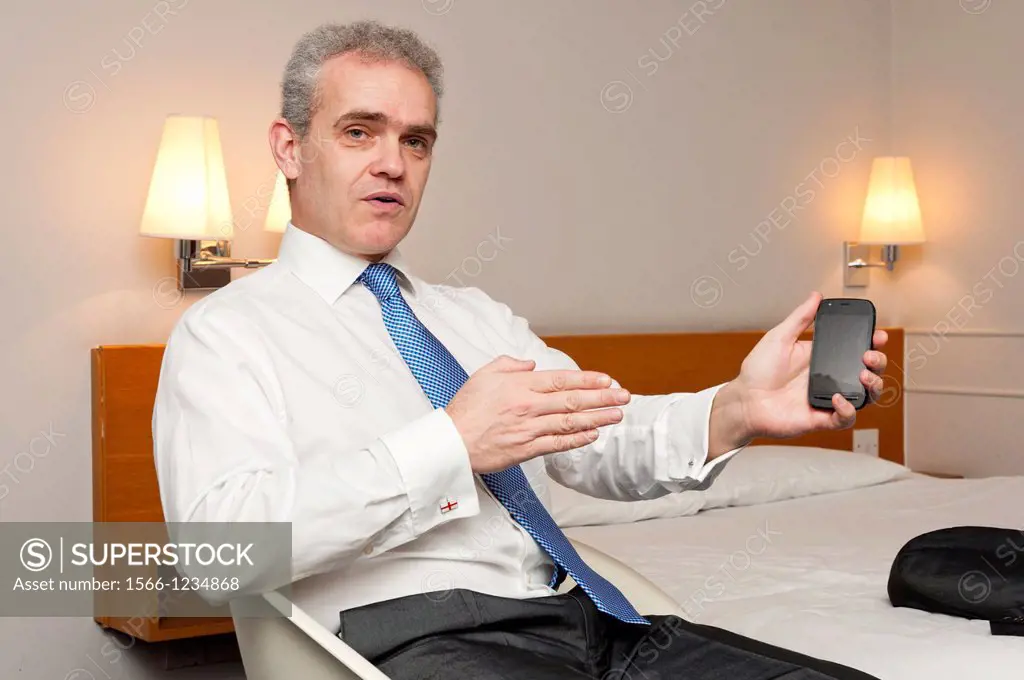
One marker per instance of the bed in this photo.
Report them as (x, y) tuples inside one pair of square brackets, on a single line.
[(793, 542), (809, 572)]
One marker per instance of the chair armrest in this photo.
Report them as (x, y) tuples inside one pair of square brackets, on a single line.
[(296, 645), (641, 592)]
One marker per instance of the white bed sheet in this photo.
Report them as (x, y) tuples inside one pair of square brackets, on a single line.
[(810, 574)]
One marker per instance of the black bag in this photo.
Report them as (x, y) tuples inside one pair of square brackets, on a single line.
[(971, 572)]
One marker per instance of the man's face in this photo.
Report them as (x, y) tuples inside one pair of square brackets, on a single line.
[(365, 161)]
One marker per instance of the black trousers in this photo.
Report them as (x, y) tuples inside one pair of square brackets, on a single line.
[(465, 634)]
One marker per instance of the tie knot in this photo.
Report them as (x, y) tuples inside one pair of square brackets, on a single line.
[(379, 277)]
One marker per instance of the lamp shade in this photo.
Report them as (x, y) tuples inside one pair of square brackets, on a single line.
[(892, 215), (279, 213), (188, 192)]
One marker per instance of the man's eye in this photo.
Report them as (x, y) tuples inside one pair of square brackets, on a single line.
[(419, 144), (356, 131)]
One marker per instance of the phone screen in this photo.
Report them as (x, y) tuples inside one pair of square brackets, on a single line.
[(842, 333)]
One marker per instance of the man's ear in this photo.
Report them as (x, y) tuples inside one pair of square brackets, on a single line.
[(286, 147)]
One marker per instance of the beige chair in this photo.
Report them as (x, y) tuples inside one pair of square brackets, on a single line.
[(295, 645)]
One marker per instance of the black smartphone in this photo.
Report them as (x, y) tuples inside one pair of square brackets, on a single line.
[(843, 328)]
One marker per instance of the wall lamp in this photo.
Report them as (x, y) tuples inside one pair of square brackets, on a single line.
[(892, 218), (188, 201)]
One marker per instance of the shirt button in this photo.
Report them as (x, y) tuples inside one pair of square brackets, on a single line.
[(368, 549)]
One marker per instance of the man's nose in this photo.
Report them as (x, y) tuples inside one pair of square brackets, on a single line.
[(389, 160)]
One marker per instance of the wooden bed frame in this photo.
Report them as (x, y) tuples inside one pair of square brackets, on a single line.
[(124, 381)]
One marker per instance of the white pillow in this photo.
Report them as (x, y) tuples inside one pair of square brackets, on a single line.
[(762, 474), (574, 509), (758, 474)]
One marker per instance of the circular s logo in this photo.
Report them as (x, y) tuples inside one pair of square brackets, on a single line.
[(36, 554), (438, 586), (79, 97), (79, 674), (438, 7), (890, 393), (616, 96), (975, 6), (975, 587), (706, 291), (348, 390)]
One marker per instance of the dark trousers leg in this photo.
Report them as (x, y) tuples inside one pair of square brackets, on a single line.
[(464, 634), (675, 648)]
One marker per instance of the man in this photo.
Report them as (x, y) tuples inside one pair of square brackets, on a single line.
[(404, 428)]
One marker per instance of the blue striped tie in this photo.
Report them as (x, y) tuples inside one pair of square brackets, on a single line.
[(441, 376)]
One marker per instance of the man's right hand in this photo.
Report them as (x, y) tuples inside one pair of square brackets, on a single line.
[(508, 413)]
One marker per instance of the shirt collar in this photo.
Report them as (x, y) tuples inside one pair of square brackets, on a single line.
[(327, 270)]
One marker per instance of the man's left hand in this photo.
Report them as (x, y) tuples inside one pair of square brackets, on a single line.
[(769, 397)]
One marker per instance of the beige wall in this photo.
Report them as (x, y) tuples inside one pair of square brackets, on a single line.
[(662, 206), (957, 101)]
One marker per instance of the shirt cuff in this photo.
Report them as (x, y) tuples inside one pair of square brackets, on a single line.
[(434, 465), (687, 429)]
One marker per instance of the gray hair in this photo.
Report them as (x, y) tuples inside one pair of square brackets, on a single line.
[(300, 94)]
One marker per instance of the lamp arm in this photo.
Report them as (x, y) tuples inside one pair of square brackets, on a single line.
[(859, 264), (890, 253), (210, 255), (218, 262)]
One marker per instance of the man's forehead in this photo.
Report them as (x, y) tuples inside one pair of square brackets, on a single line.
[(403, 94)]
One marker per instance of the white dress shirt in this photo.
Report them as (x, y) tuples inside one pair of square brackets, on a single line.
[(282, 398)]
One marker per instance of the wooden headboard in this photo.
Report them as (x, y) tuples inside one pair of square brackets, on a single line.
[(124, 381), (689, 362)]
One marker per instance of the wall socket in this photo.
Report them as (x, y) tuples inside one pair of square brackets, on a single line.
[(866, 441)]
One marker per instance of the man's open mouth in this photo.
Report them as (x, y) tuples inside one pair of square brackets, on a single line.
[(385, 198)]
